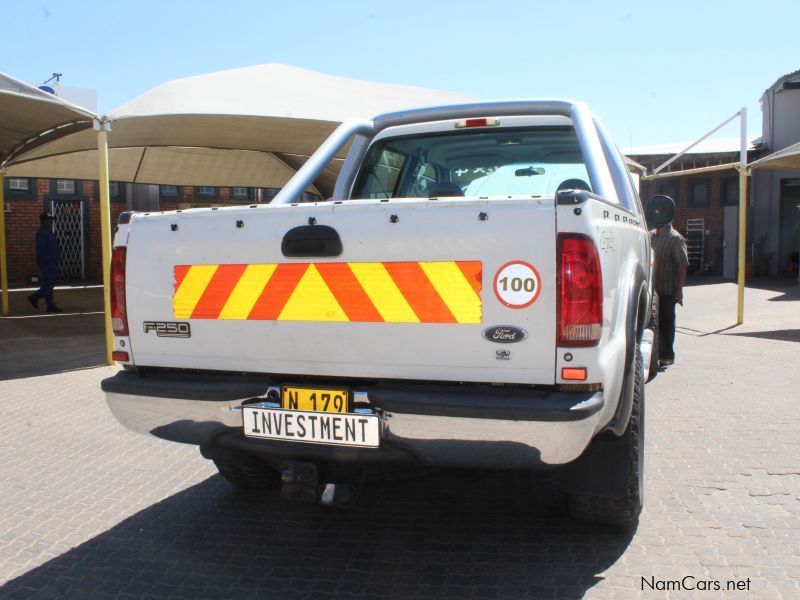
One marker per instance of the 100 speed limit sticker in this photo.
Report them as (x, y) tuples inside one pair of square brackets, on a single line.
[(517, 284)]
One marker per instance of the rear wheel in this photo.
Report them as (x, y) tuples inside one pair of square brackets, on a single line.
[(248, 472), (626, 469), (546, 492)]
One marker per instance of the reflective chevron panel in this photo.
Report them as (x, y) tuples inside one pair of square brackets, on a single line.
[(390, 292)]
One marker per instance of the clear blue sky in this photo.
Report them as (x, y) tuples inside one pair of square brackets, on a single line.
[(655, 72)]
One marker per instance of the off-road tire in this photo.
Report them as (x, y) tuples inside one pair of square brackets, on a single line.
[(653, 324), (546, 492), (620, 511), (248, 472)]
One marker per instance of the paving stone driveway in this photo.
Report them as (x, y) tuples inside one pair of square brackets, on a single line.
[(90, 510)]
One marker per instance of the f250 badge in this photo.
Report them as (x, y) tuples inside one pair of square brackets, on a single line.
[(168, 329), (505, 334)]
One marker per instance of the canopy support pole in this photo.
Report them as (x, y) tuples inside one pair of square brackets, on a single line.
[(102, 128), (742, 214), (3, 261), (742, 166)]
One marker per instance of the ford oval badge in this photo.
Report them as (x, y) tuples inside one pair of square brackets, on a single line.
[(505, 334)]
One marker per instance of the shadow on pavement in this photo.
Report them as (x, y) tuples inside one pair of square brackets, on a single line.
[(447, 534), (698, 280), (787, 294), (35, 343), (717, 332), (73, 299), (786, 286), (783, 335)]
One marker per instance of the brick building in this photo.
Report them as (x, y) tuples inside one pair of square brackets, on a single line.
[(76, 208), (707, 212), (776, 233), (707, 203)]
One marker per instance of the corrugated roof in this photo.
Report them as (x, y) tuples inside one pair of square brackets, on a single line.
[(788, 158), (781, 80)]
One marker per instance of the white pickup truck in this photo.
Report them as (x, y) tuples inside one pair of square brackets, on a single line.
[(477, 293)]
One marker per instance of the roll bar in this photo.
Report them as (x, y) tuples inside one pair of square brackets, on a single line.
[(363, 130)]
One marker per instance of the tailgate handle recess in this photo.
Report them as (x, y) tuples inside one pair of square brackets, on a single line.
[(311, 241)]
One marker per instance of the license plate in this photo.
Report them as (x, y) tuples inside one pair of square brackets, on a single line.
[(315, 399), (312, 427)]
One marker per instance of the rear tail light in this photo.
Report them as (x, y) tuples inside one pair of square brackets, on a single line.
[(119, 309), (580, 285)]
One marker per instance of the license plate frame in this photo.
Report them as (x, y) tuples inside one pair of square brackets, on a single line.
[(355, 430), (307, 398)]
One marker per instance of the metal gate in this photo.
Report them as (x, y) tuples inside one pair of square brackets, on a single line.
[(68, 229), (695, 243)]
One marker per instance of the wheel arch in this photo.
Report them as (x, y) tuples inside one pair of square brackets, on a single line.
[(636, 314)]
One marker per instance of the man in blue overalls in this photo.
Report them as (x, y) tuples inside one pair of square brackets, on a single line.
[(48, 255)]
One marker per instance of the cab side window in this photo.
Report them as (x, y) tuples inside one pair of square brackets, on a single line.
[(422, 181), (382, 180)]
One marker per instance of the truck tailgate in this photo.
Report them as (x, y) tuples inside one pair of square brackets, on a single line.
[(414, 294)]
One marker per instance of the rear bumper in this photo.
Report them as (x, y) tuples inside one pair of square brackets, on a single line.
[(438, 425)]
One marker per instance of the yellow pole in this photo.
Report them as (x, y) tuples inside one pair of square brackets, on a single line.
[(105, 230), (3, 261), (742, 214)]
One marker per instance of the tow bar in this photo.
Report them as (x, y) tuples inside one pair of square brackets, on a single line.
[(300, 483)]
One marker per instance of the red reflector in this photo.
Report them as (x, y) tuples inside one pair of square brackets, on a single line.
[(580, 285), (573, 374), (120, 356), (478, 122), (119, 308)]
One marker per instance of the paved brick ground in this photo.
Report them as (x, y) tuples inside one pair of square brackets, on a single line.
[(90, 510)]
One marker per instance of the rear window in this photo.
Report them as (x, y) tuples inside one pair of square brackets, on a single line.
[(530, 161)]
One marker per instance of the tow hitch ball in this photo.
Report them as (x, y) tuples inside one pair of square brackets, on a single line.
[(300, 483)]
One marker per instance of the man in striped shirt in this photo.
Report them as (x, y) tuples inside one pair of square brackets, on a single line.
[(669, 275)]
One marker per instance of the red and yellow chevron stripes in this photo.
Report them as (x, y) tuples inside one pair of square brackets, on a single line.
[(390, 292)]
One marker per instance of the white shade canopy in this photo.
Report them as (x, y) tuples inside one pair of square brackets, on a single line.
[(250, 127), (29, 116), (788, 158)]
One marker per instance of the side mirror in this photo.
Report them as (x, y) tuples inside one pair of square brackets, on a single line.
[(659, 211)]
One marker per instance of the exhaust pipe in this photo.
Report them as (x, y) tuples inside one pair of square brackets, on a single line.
[(341, 495), (300, 483)]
